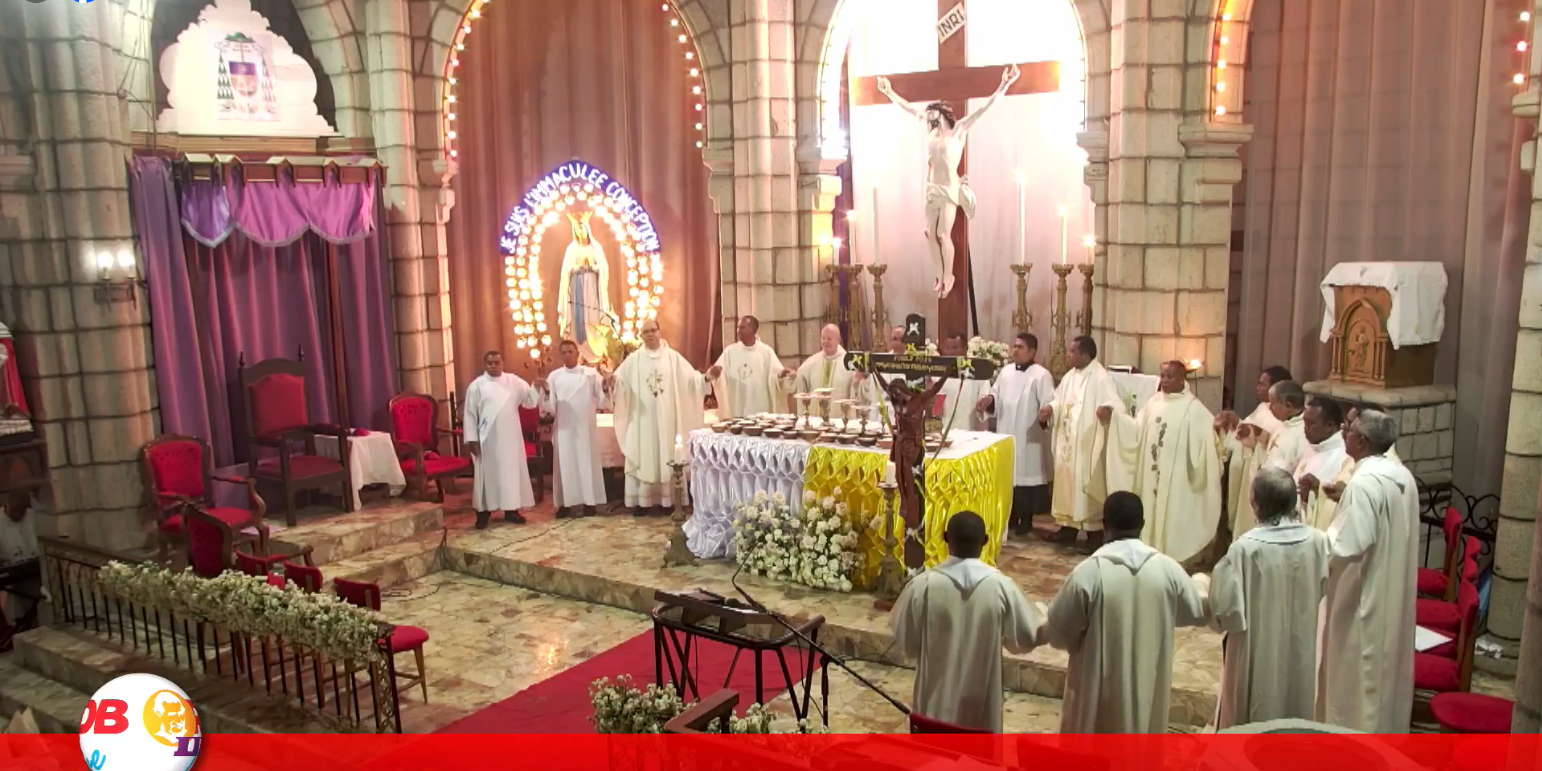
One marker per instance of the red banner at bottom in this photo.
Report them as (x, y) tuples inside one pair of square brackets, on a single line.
[(465, 752)]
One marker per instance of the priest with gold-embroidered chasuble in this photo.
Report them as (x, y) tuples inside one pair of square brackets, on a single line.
[(748, 376), (658, 404), (1078, 440), (1168, 455)]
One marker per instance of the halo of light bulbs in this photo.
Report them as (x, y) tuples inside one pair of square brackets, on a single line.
[(522, 263), (451, 78)]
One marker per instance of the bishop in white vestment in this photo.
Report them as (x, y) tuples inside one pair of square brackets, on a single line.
[(1168, 455), (1365, 679), (959, 399), (1021, 390), (953, 620), (748, 375), (1241, 445), (1322, 460), (827, 368), (496, 439), (1264, 596), (574, 394), (1079, 442), (1115, 614), (658, 404)]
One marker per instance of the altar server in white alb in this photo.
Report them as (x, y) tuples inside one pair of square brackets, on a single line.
[(1020, 391), (1115, 614), (574, 394), (826, 368), (658, 399), (497, 442), (1079, 441), (1169, 456), (1264, 596), (959, 398), (1242, 446), (748, 375), (1365, 680), (1322, 461), (953, 620)]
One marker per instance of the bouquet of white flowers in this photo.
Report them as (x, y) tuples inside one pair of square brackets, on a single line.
[(622, 708), (980, 348), (818, 549)]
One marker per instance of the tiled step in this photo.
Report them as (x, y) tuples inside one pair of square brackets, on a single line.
[(338, 537), (56, 706)]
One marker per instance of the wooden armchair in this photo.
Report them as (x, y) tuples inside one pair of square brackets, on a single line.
[(415, 433), (179, 470), (211, 548), (273, 395)]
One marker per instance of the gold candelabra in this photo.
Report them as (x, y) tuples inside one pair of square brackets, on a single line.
[(880, 309), (1022, 320), (854, 314), (1058, 322), (679, 551), (1084, 318), (890, 573), (833, 307)]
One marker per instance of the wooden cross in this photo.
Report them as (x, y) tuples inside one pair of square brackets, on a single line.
[(956, 82), (912, 400)]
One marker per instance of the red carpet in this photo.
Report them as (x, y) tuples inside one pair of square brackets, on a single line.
[(560, 704)]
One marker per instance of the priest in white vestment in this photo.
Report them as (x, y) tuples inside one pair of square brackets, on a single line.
[(1284, 448), (1365, 679), (748, 375), (1169, 456), (826, 368), (959, 398), (1264, 597), (953, 620), (1079, 439), (1327, 508), (658, 399), (574, 394), (1241, 445), (1115, 614), (1322, 461), (496, 440), (1021, 390)]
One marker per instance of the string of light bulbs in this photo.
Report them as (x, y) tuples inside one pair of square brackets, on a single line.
[(452, 79), (1523, 49), (1222, 43), (693, 69)]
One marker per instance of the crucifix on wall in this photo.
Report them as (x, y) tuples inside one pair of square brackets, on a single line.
[(956, 83)]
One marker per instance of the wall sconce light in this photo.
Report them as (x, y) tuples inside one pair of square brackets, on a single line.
[(117, 276)]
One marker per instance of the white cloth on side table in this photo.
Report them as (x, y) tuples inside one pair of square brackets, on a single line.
[(371, 461), (1418, 292)]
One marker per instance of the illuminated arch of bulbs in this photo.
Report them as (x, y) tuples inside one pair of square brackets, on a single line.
[(578, 186)]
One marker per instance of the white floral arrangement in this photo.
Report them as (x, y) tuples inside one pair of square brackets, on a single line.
[(622, 708), (980, 348), (250, 605), (818, 549)]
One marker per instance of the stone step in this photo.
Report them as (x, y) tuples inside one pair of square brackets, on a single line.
[(336, 536), (56, 706), (392, 565)]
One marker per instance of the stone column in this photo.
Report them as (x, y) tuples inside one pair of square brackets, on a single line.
[(85, 358), (1207, 178), (1095, 176)]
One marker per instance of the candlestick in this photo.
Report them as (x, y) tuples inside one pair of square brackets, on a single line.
[(880, 309), (1089, 241), (888, 472), (1064, 231), (1085, 317), (877, 255), (1058, 322), (679, 552), (1022, 319), (833, 303), (1022, 218), (890, 572)]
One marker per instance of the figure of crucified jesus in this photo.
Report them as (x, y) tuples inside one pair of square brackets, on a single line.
[(946, 191)]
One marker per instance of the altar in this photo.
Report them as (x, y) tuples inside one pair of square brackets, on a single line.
[(974, 473)]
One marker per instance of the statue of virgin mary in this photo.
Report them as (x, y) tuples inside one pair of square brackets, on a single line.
[(584, 313)]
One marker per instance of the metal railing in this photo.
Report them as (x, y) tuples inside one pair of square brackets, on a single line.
[(288, 669)]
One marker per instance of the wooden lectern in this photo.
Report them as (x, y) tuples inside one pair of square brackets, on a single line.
[(1364, 349)]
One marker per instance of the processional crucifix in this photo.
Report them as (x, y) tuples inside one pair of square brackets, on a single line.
[(956, 82), (912, 399)]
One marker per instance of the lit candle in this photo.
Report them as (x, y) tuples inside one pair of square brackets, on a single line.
[(1022, 217), (1089, 241), (851, 236), (877, 255), (679, 448), (1065, 226), (888, 473), (835, 249)]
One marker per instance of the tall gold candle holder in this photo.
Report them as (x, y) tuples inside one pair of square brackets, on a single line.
[(856, 306), (679, 551), (1084, 318), (833, 301), (880, 309), (890, 573), (1022, 320), (1059, 322)]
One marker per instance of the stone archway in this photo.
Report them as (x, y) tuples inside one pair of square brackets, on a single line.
[(339, 47)]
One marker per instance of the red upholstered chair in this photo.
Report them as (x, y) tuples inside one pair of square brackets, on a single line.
[(211, 547), (1440, 674), (921, 724), (1472, 713), (537, 449), (307, 577), (273, 393), (1441, 583), (403, 638), (179, 469), (1447, 616), (415, 432)]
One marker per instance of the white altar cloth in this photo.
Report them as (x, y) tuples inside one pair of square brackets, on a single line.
[(610, 447), (371, 461), (1418, 292)]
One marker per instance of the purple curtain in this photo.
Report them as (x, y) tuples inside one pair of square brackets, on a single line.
[(278, 213), (211, 304)]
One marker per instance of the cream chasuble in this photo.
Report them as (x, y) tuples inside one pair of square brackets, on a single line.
[(953, 620), (1018, 396), (1324, 461), (658, 403), (1115, 614), (1079, 439), (1365, 680), (1167, 455), (821, 371), (748, 384), (576, 394), (1243, 459), (1264, 596), (491, 418)]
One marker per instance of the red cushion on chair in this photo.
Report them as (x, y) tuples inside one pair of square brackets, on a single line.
[(412, 420), (205, 549), (530, 449), (278, 404), (1472, 713), (275, 580), (406, 638), (1437, 614), (436, 466), (233, 517), (177, 468), (1436, 673), (1445, 650), (301, 466), (1432, 582)]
